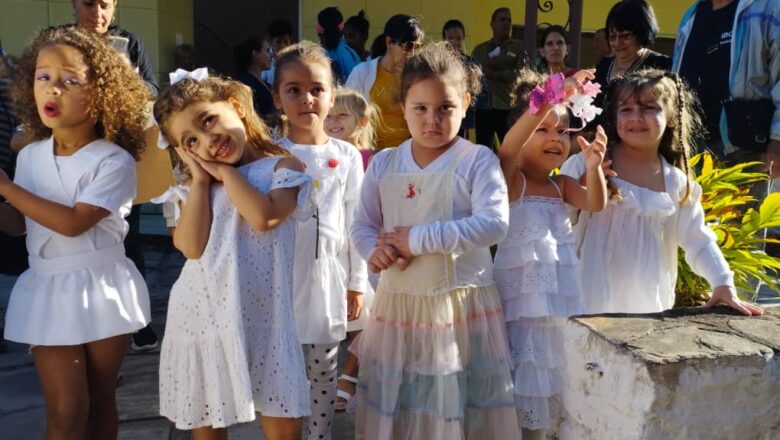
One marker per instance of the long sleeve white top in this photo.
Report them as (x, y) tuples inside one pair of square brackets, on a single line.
[(479, 198), (629, 250)]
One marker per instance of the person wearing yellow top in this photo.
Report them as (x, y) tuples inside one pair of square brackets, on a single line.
[(379, 79)]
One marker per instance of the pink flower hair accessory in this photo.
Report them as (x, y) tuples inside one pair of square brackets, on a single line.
[(552, 93)]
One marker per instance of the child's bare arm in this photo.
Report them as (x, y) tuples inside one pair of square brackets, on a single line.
[(262, 211), (70, 221), (193, 228), (592, 196)]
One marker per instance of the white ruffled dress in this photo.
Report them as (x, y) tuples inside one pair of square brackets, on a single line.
[(629, 249), (536, 274), (230, 348)]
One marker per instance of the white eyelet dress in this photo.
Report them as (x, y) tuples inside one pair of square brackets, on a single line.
[(434, 361), (536, 270), (230, 347)]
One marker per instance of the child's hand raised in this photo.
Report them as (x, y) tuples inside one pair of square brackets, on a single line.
[(199, 175), (593, 152), (574, 84)]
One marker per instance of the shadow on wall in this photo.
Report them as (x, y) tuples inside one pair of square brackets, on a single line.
[(220, 26)]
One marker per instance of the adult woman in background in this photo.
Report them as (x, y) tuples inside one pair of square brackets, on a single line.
[(379, 79), (330, 29), (631, 30), (554, 48), (252, 57)]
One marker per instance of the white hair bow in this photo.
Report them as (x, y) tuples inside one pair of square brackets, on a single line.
[(198, 74), (180, 74)]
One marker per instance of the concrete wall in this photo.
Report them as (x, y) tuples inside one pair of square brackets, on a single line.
[(161, 24), (221, 25), (679, 375)]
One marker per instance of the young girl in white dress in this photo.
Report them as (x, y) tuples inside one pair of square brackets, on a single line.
[(434, 354), (352, 119), (82, 298), (536, 265), (330, 277), (629, 250), (230, 349)]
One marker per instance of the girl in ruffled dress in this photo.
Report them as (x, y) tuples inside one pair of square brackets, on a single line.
[(230, 348), (434, 355), (536, 264), (629, 250)]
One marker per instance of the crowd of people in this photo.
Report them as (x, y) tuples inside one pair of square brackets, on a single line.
[(328, 192)]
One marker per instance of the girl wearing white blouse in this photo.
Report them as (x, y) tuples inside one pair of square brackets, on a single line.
[(434, 352), (629, 250), (330, 277)]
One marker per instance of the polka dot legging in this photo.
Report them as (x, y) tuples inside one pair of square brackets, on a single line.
[(321, 363)]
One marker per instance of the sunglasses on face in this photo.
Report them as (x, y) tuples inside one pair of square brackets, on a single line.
[(408, 46)]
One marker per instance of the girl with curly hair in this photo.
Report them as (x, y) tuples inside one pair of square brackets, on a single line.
[(81, 298)]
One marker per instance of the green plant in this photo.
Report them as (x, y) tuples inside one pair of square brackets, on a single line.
[(731, 212)]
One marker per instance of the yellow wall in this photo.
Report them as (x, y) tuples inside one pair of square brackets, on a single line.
[(475, 14), (156, 22)]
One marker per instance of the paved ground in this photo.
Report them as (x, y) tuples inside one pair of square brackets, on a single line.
[(22, 414)]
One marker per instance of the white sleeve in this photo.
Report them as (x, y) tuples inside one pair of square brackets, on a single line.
[(358, 270), (112, 186), (574, 166), (368, 219), (700, 243), (487, 224)]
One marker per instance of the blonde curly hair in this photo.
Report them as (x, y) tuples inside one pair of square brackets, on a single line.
[(120, 94)]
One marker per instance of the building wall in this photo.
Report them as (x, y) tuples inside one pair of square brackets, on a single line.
[(475, 15), (220, 26), (161, 24)]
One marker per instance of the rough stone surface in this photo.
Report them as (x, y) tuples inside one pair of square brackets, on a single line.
[(681, 374)]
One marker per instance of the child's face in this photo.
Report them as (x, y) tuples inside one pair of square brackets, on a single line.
[(305, 94), (62, 88), (214, 131), (550, 144), (341, 125), (641, 120), (433, 110)]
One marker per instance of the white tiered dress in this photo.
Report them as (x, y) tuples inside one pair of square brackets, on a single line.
[(536, 274), (230, 347)]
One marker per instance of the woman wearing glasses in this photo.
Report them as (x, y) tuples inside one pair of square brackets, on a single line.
[(379, 78), (631, 30)]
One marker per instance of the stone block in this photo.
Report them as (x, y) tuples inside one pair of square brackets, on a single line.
[(678, 375)]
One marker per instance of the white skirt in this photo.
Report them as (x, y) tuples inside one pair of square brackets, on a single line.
[(77, 299)]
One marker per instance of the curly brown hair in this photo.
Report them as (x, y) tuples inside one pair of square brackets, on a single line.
[(215, 89), (680, 104), (120, 95)]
